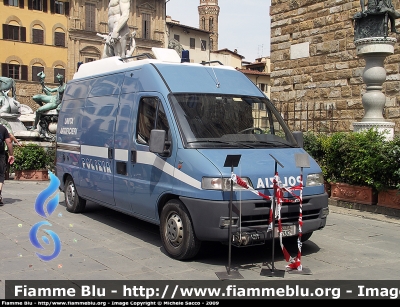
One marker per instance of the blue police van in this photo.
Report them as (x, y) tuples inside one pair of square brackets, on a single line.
[(152, 137)]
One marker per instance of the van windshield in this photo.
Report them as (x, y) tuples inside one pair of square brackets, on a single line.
[(223, 121)]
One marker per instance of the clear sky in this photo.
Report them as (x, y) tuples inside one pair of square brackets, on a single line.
[(242, 24)]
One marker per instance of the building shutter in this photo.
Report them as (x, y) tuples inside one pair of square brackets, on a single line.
[(21, 4), (52, 6), (66, 12), (5, 31), (59, 39), (23, 34), (35, 71), (37, 35), (24, 72), (4, 69), (90, 11), (30, 4), (57, 71), (44, 5)]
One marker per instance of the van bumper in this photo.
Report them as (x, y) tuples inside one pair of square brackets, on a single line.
[(210, 218)]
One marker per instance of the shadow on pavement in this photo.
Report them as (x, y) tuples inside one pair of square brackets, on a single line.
[(214, 253)]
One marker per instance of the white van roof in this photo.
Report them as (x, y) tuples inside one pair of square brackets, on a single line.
[(116, 63)]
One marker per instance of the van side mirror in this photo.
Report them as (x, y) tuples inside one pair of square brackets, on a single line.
[(157, 141), (298, 136)]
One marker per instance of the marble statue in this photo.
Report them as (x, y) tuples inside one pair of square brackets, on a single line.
[(11, 110), (8, 84), (8, 104), (177, 46), (119, 41)]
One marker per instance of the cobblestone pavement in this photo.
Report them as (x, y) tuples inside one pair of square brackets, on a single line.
[(102, 244)]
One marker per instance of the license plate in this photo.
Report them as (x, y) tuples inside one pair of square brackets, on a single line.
[(287, 230)]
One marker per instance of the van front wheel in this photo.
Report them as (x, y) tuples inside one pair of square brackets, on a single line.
[(73, 201), (177, 235)]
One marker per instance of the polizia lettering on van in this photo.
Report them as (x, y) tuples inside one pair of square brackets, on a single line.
[(98, 165), (269, 182)]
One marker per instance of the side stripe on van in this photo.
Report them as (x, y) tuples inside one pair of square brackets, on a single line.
[(95, 151), (150, 158), (143, 157)]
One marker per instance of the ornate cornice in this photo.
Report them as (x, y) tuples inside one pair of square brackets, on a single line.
[(375, 40)]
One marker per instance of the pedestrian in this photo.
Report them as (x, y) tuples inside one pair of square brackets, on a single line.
[(4, 138), (14, 140)]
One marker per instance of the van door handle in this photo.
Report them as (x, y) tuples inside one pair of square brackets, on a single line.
[(133, 156), (110, 153)]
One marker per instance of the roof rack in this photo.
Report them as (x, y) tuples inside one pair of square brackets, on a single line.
[(139, 57), (210, 62)]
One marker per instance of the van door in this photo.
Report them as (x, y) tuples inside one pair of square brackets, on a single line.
[(97, 139), (151, 174), (123, 142)]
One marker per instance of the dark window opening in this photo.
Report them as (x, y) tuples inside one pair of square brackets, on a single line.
[(151, 116), (35, 71), (12, 3), (59, 39), (146, 25), (192, 43), (176, 37), (37, 5), (37, 36), (203, 45), (14, 71), (59, 7), (14, 33), (90, 17), (57, 71)]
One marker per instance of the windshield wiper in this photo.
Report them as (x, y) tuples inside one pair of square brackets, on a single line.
[(221, 142), (276, 144)]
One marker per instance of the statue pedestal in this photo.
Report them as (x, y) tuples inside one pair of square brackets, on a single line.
[(374, 50)]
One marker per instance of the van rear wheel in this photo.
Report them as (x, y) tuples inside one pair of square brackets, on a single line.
[(177, 234), (73, 201)]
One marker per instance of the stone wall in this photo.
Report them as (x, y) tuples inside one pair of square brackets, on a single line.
[(314, 66)]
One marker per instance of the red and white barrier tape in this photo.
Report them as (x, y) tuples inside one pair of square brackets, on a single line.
[(294, 263)]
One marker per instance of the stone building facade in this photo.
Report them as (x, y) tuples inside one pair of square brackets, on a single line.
[(316, 75), (33, 38)]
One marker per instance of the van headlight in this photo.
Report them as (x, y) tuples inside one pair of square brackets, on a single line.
[(222, 184), (314, 180)]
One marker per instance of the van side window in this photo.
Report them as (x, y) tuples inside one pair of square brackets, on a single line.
[(151, 116)]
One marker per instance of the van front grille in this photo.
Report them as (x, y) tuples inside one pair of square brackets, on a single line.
[(288, 217)]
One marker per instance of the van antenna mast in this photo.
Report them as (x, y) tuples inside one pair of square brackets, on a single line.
[(209, 63)]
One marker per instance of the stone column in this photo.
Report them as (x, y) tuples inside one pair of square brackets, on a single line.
[(374, 50)]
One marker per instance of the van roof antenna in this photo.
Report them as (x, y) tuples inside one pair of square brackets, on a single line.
[(216, 79)]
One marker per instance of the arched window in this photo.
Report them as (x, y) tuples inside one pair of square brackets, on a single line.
[(59, 38), (211, 24), (14, 70), (203, 23), (37, 35), (58, 70), (36, 69), (14, 31)]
